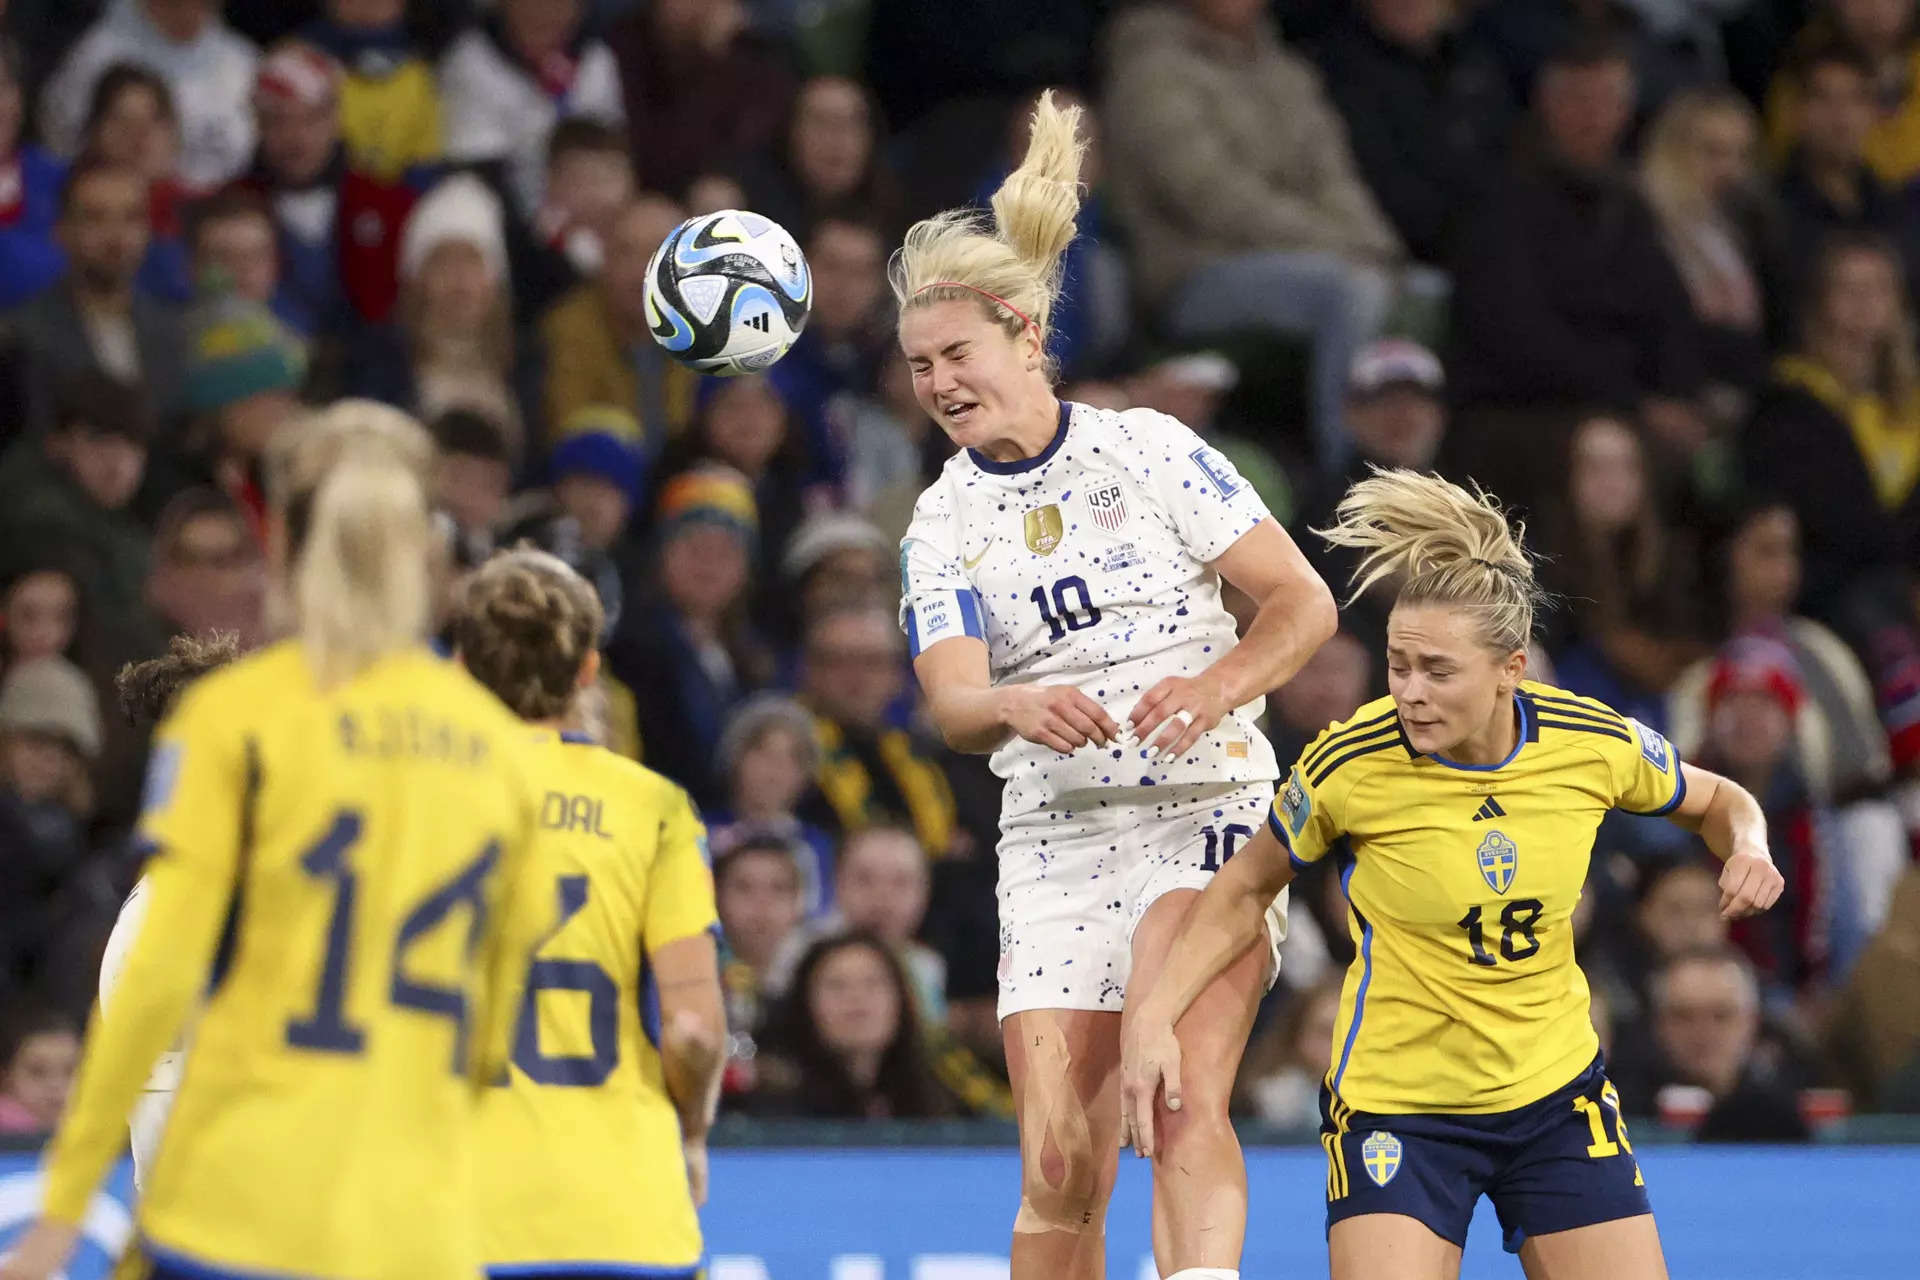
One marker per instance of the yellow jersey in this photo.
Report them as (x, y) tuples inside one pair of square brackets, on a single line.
[(580, 1166), (335, 872), (1463, 996)]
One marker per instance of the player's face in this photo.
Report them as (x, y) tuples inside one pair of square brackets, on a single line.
[(968, 376), (1447, 685)]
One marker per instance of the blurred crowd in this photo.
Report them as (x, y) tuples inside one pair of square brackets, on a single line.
[(1646, 269)]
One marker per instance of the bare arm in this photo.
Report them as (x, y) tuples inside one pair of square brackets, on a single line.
[(694, 1028), (1296, 615), (1725, 815), (977, 717), (1229, 917)]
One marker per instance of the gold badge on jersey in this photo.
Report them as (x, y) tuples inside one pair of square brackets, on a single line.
[(1044, 529), (1499, 860)]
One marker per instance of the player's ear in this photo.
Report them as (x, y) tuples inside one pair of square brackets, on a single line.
[(1513, 670), (1033, 352), (589, 670)]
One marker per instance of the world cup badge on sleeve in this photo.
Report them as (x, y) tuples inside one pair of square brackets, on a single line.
[(1499, 860), (1380, 1153), (1044, 529), (1295, 803)]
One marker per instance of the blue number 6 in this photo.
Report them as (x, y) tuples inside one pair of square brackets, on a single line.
[(603, 1003)]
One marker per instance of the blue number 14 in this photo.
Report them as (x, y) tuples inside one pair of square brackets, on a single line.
[(1064, 617)]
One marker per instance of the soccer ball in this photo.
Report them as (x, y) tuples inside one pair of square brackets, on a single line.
[(728, 292)]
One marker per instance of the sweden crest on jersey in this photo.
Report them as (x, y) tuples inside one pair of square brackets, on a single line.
[(1499, 860), (1380, 1153), (1044, 529)]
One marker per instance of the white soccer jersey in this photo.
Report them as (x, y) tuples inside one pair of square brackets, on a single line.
[(149, 1118), (1087, 565)]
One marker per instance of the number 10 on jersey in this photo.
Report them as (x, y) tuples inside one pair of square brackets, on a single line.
[(1066, 616)]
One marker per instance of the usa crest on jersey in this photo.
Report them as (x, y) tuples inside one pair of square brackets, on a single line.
[(1499, 861), (1380, 1153), (1107, 504)]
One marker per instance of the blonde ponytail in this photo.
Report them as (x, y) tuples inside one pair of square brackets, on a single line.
[(1444, 546), (1010, 264), (350, 483)]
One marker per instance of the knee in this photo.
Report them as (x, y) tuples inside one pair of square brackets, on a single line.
[(1201, 1123), (1063, 1186)]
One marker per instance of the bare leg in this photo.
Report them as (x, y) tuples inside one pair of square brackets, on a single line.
[(1065, 1069), (1391, 1246), (1625, 1249), (1199, 1174)]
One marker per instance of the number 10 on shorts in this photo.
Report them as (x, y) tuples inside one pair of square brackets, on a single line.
[(1222, 844)]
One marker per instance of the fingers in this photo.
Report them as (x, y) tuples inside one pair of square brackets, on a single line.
[(1055, 733), (1138, 1101), (1748, 886), (1153, 709), (1109, 731)]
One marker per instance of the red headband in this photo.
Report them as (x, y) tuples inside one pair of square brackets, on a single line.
[(955, 284)]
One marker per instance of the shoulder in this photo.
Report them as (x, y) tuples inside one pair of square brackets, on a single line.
[(1141, 428), (1568, 719), (235, 50), (243, 690), (1368, 739), (643, 786)]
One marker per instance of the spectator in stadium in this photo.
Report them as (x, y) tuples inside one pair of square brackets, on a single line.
[(1841, 747), (49, 735), (1396, 415), (836, 560), (132, 123), (1426, 113), (840, 352), (703, 91), (472, 480), (1231, 173), (830, 162), (75, 484), (1285, 1065), (1884, 33), (1706, 1026), (1564, 295), (1632, 621), (508, 82), (893, 449), (39, 1055), (1699, 175), (30, 183), (243, 378), (853, 667), (94, 321), (389, 99), (453, 344), (1838, 431), (1333, 684), (844, 1043), (207, 574), (314, 189), (597, 342), (40, 609), (1874, 1036), (597, 469), (231, 246), (882, 884), (769, 757), (746, 424), (685, 648), (209, 68), (1826, 184), (761, 894), (589, 184)]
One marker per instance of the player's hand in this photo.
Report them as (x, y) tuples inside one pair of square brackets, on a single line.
[(1189, 706), (695, 1152), (40, 1253), (1149, 1059), (1749, 884), (1058, 716)]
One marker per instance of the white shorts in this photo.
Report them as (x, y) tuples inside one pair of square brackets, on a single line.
[(1076, 877)]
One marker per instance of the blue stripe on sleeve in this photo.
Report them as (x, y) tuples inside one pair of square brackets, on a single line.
[(1679, 787), (913, 633), (970, 614)]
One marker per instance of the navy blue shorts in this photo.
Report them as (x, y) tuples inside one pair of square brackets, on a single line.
[(1552, 1165)]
